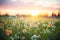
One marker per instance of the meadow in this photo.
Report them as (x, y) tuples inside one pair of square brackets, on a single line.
[(29, 28)]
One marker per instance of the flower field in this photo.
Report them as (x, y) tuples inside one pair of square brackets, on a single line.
[(29, 28)]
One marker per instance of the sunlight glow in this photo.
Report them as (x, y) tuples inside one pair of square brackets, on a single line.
[(35, 12)]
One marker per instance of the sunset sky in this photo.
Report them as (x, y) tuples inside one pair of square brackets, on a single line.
[(28, 6)]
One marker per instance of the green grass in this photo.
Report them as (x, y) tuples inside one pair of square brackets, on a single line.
[(17, 25)]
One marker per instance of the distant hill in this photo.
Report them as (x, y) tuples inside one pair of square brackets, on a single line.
[(54, 17)]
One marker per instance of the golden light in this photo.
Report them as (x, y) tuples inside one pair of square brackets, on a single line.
[(35, 12)]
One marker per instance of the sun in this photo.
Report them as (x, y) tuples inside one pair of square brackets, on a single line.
[(35, 12)]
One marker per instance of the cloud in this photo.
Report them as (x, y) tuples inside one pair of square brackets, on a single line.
[(31, 3), (43, 3), (27, 1)]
